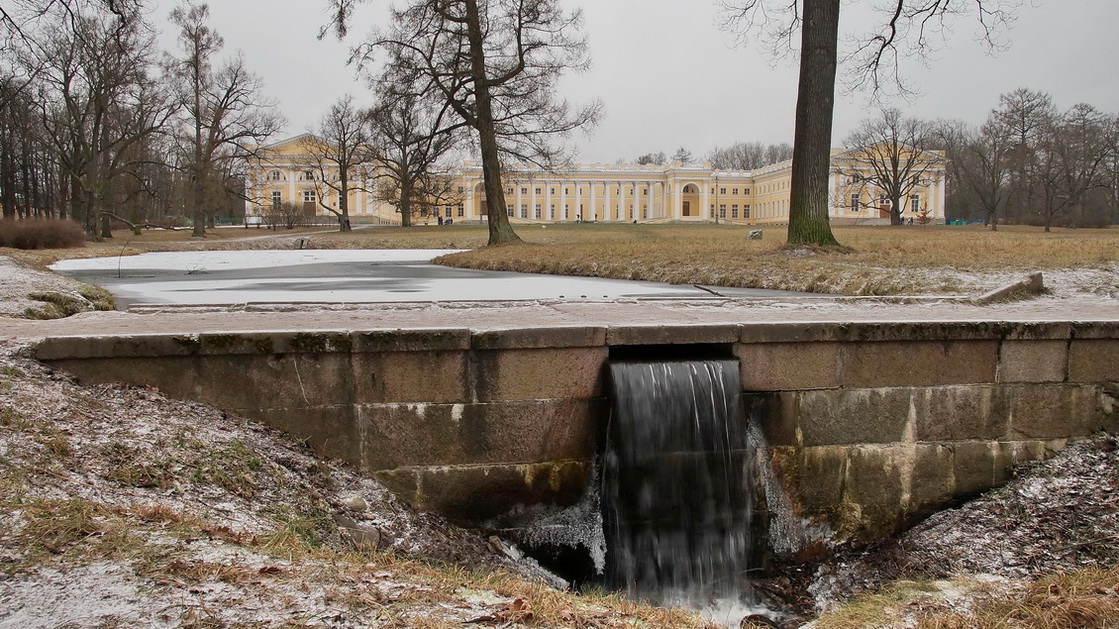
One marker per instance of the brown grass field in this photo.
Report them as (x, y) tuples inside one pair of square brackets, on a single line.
[(878, 260)]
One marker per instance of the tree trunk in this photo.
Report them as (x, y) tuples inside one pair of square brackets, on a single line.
[(501, 232), (344, 202), (808, 199), (405, 202)]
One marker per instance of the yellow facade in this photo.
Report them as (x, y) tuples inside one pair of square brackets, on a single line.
[(676, 192)]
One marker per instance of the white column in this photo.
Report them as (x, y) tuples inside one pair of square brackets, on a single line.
[(705, 199), (589, 215), (562, 201), (677, 201), (575, 209), (606, 200), (548, 202)]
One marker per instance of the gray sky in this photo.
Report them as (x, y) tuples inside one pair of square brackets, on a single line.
[(668, 77)]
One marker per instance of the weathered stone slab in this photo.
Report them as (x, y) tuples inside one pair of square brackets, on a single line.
[(850, 416), (435, 377), (1095, 360), (532, 374), (1033, 361), (786, 366), (918, 363), (973, 467), (932, 478), (958, 412), (331, 430), (531, 431), (1050, 411), (473, 494)]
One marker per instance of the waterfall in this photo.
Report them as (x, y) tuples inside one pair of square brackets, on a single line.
[(677, 483)]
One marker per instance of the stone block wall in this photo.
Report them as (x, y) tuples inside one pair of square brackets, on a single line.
[(869, 424)]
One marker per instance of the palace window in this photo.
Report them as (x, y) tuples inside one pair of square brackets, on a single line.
[(915, 203), (722, 210), (461, 190), (734, 211), (275, 175), (644, 211), (746, 211), (508, 191), (277, 199), (536, 211), (734, 191), (524, 210), (308, 196), (524, 190), (538, 191), (746, 191), (461, 210), (566, 191), (854, 203), (566, 212), (308, 175), (551, 190), (722, 190)]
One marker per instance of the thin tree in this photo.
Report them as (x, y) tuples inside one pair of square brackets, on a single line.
[(748, 155), (338, 150), (496, 64), (980, 163), (410, 137), (226, 118), (97, 101), (890, 154), (1028, 116), (909, 27), (1076, 151)]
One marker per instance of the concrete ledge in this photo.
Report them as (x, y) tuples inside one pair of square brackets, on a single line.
[(540, 338), (672, 334)]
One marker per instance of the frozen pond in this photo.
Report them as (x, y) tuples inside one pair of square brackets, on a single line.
[(344, 276)]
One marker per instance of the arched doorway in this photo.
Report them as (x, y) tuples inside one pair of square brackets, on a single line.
[(690, 202)]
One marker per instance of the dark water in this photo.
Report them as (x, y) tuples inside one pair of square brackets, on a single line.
[(678, 483)]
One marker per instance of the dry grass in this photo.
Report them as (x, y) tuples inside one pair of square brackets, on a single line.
[(1086, 599), (876, 261)]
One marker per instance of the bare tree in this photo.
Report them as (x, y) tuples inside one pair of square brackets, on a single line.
[(1028, 117), (338, 150), (226, 117), (890, 155), (980, 162), (97, 102), (910, 27), (682, 155), (410, 137), (748, 155), (1075, 152), (652, 158), (496, 64)]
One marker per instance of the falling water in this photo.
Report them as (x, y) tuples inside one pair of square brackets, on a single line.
[(677, 483)]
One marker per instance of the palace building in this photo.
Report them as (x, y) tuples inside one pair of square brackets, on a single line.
[(284, 172)]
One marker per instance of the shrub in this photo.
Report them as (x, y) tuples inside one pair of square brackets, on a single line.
[(41, 233)]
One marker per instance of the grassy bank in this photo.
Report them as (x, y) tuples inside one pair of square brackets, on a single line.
[(878, 261)]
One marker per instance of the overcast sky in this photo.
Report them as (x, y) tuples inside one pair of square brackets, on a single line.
[(668, 77)]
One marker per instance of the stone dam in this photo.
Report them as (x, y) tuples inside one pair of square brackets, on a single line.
[(868, 425)]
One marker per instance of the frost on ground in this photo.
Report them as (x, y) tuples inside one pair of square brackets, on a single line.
[(122, 508), (1056, 516)]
